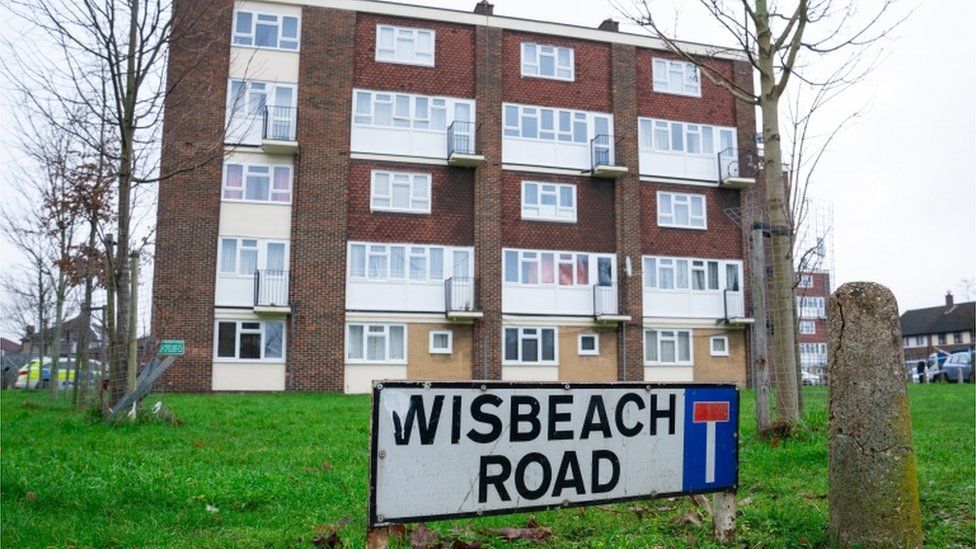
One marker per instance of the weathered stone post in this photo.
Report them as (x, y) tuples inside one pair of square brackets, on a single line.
[(872, 482)]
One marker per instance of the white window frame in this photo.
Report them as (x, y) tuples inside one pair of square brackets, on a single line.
[(251, 34), (588, 352), (677, 200), (247, 170), (450, 342), (658, 135), (413, 117), (532, 69), (663, 74), (811, 306), (524, 258), (384, 253), (725, 346), (562, 214), (522, 336), (682, 273), (414, 182), (261, 248), (562, 128), (386, 330), (808, 327), (655, 360), (393, 53), (238, 329), (239, 102), (806, 281)]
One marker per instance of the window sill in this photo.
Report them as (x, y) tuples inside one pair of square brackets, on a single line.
[(266, 362), (265, 48), (556, 78), (660, 365), (408, 63), (531, 364), (349, 362), (548, 220), (258, 202), (395, 211), (683, 94), (666, 226)]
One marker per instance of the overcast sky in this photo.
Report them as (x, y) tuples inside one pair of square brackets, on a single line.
[(901, 178)]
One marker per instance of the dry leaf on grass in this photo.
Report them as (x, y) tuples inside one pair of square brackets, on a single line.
[(690, 517), (531, 534), (422, 537)]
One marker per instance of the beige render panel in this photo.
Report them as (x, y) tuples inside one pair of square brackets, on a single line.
[(255, 220), (720, 369), (423, 365), (574, 367)]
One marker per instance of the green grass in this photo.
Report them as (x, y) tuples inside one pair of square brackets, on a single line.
[(280, 469)]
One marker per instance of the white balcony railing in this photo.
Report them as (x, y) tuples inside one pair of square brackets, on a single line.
[(605, 300), (735, 305)]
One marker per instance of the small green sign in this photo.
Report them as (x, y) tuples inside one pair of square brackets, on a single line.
[(172, 347)]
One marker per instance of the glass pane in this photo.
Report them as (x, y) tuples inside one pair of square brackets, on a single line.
[(566, 196), (579, 132), (396, 343), (274, 339), (377, 266), (440, 340), (511, 266), (681, 266), (357, 260), (707, 136), (667, 352), (650, 272), (588, 343), (604, 269), (461, 268), (564, 57), (258, 187), (677, 143), (684, 346), (530, 350), (582, 269), (385, 38), (228, 255), (547, 65), (276, 256), (266, 35), (355, 345), (681, 214), (511, 344), (530, 127), (375, 347), (250, 346), (249, 261), (282, 178), (383, 115), (425, 42), (650, 346), (234, 178), (363, 102), (437, 263), (548, 345), (462, 112), (530, 271), (226, 334), (531, 194), (548, 268), (511, 116), (713, 275), (697, 206), (401, 196), (732, 277), (398, 262), (242, 23), (697, 279), (725, 139)]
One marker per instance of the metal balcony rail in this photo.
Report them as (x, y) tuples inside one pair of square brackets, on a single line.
[(270, 288), (460, 138), (735, 304), (279, 123), (601, 151), (728, 164), (459, 294), (605, 300)]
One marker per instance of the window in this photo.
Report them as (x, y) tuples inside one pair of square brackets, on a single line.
[(557, 125), (720, 346), (407, 263), (547, 61), (684, 138), (251, 340), (680, 77), (808, 327), (920, 341), (376, 343), (440, 342), (405, 45), (588, 344), (245, 256), (667, 347), (536, 267), (689, 274), (548, 201), (806, 281), (957, 337), (530, 346), (811, 307), (407, 111), (257, 183), (942, 339), (400, 192), (685, 211), (812, 354), (266, 30)]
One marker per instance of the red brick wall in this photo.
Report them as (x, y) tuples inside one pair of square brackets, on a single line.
[(450, 222), (453, 71), (722, 240), (715, 106), (594, 227), (589, 91), (189, 203)]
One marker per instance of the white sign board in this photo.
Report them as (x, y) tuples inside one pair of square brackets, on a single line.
[(443, 450)]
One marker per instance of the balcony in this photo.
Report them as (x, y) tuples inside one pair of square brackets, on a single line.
[(602, 158), (278, 130), (730, 174), (735, 308), (459, 301), (271, 292), (461, 149), (605, 304)]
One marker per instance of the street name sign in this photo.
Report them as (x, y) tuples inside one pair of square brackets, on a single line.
[(172, 347), (441, 450)]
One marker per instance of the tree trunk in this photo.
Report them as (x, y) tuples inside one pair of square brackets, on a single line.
[(760, 345), (82, 377), (56, 341), (781, 241)]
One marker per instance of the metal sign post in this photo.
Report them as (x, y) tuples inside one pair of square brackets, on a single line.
[(445, 450)]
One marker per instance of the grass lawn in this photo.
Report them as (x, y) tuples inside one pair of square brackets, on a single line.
[(273, 470)]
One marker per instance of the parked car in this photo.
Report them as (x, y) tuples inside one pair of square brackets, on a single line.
[(923, 371), (42, 376), (957, 365), (810, 378)]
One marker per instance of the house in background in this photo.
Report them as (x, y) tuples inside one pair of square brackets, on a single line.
[(946, 329), (812, 291)]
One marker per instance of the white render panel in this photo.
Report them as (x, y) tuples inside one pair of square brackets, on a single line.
[(673, 304), (271, 221), (364, 295), (248, 376), (548, 299), (669, 374), (533, 152), (247, 63), (234, 290), (281, 8), (530, 373), (399, 141), (679, 166), (359, 377)]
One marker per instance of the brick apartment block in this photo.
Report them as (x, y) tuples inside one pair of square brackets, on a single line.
[(416, 193)]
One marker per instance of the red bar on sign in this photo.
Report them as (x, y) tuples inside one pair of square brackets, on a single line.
[(705, 412)]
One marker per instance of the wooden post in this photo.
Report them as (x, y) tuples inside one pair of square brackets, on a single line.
[(723, 516), (378, 538), (760, 345), (133, 321)]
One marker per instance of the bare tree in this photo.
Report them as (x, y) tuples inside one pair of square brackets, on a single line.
[(781, 41)]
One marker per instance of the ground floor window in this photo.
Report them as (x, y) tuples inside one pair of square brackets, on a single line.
[(440, 342), (530, 346), (251, 339), (720, 346), (589, 344), (376, 343), (664, 346)]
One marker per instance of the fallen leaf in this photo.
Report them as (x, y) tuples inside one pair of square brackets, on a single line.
[(396, 530), (332, 540), (534, 534), (690, 517), (212, 508), (458, 544), (531, 523), (31, 496), (326, 466), (745, 501), (422, 537), (198, 444), (808, 495), (639, 511)]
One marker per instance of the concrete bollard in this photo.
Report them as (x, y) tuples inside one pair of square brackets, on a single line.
[(873, 488)]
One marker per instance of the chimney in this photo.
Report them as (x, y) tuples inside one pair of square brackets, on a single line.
[(949, 300), (484, 8), (609, 25)]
